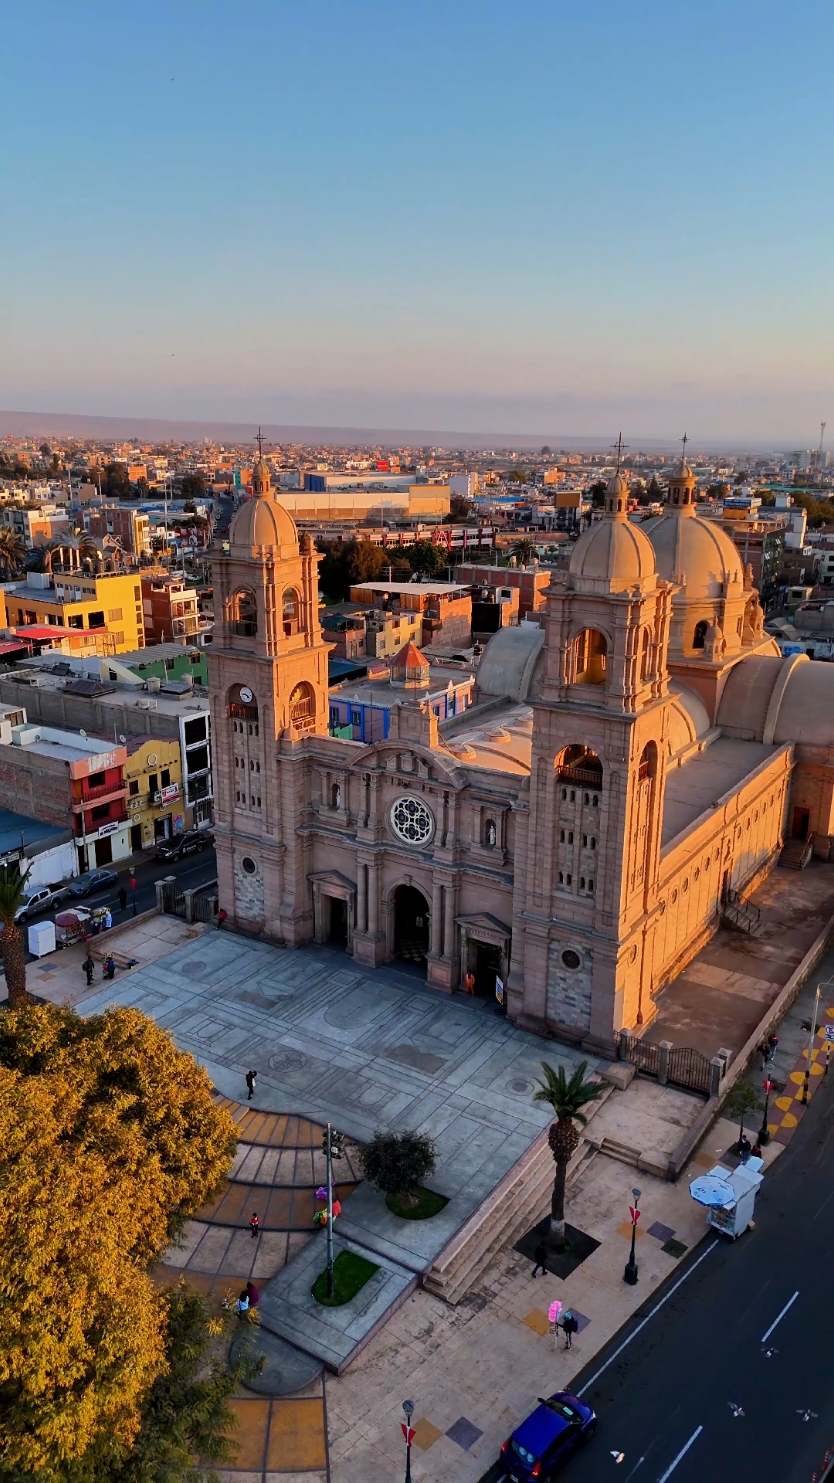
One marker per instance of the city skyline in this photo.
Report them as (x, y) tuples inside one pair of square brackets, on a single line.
[(450, 219)]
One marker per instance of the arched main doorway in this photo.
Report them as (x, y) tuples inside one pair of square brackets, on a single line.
[(411, 925)]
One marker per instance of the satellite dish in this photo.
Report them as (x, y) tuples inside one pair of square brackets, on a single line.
[(82, 732), (122, 739)]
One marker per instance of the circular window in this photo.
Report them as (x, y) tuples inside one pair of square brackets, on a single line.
[(571, 959), (248, 865), (412, 821)]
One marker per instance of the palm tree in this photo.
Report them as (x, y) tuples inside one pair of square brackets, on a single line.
[(566, 1095), (524, 551), (12, 892), (12, 551)]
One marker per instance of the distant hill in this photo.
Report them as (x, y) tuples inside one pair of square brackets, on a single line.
[(178, 430)]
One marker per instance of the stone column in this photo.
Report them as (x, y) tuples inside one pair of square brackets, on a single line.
[(449, 923), (436, 918), (362, 900), (373, 900)]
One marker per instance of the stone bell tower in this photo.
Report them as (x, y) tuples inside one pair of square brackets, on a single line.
[(268, 682), (585, 881)]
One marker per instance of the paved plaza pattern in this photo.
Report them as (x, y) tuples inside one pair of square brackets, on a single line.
[(362, 1048)]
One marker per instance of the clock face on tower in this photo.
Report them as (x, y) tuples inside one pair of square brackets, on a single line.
[(246, 694)]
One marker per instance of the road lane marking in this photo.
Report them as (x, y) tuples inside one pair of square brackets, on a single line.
[(649, 1316), (682, 1453), (766, 1336), (823, 1205)]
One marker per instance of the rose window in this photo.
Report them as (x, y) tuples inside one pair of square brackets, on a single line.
[(412, 821)]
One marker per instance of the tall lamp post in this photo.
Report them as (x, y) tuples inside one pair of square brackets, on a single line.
[(764, 1131), (630, 1273), (807, 1077), (408, 1433)]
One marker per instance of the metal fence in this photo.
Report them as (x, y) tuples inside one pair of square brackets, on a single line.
[(674, 1065)]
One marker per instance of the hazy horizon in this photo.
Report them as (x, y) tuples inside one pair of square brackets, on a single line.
[(448, 216)]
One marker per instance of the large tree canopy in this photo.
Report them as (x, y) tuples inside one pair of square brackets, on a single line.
[(109, 1139)]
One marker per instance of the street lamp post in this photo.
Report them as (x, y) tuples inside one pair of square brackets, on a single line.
[(408, 1407), (807, 1077), (764, 1131), (630, 1273)]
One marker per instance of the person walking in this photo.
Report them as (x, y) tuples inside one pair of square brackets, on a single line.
[(569, 1328), (251, 1078), (133, 885), (122, 898), (109, 969), (89, 968), (254, 1225), (108, 919), (540, 1255), (744, 1147), (469, 982)]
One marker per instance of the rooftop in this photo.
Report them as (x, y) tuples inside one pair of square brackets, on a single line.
[(427, 589), (17, 828), (137, 657), (699, 784), (67, 746)]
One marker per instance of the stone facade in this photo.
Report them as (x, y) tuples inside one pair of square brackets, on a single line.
[(574, 840)]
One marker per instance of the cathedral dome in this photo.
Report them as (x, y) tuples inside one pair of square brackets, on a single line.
[(696, 552), (613, 552), (262, 522)]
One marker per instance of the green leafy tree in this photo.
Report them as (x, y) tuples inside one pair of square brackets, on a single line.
[(524, 551), (397, 1163), (12, 551), (741, 1101), (109, 1139), (426, 558), (193, 488), (567, 1095), (459, 510), (346, 563), (597, 494), (12, 891)]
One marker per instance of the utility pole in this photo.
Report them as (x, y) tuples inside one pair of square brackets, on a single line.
[(807, 1076), (819, 453), (333, 1147)]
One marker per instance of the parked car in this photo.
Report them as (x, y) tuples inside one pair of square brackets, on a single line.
[(539, 1448), (42, 898), (93, 880), (190, 842)]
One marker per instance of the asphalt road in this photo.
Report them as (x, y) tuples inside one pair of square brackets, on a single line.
[(742, 1324), (193, 870)]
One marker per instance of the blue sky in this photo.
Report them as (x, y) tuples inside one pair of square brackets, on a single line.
[(548, 217)]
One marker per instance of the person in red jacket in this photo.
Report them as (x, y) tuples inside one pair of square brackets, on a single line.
[(254, 1224)]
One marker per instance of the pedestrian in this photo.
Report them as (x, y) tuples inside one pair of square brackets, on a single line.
[(221, 917), (744, 1148), (540, 1255), (764, 1052), (109, 969), (772, 1042), (108, 919), (254, 1225), (251, 1078), (133, 885), (569, 1327), (469, 982), (242, 1304), (252, 1294), (122, 898), (89, 968)]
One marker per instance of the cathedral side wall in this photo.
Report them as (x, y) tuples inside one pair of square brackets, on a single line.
[(732, 847)]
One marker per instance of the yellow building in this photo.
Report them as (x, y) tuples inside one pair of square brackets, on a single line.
[(111, 601), (153, 773)]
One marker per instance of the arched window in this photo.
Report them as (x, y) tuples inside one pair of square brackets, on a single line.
[(243, 615), (579, 765), (303, 707), (590, 652), (700, 634), (490, 834), (645, 655), (648, 761), (290, 607)]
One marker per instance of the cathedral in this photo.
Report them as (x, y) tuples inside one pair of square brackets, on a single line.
[(624, 770)]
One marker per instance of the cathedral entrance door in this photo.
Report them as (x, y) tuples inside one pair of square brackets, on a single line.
[(411, 925), (338, 932), (488, 967), (801, 821)]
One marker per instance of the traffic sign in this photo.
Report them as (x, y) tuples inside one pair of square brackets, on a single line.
[(828, 1032), (408, 1432), (635, 1214)]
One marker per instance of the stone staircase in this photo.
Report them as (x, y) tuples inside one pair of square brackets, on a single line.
[(797, 853), (517, 1203)]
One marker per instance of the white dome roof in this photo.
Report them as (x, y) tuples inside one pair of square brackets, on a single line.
[(698, 550), (262, 522), (512, 662), (615, 552)]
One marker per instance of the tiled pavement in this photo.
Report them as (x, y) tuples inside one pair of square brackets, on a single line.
[(786, 1109), (276, 1170)]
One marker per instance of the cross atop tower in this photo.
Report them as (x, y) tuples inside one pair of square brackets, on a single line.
[(684, 441), (260, 443), (620, 447)]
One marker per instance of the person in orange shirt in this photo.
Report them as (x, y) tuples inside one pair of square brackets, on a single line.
[(469, 982)]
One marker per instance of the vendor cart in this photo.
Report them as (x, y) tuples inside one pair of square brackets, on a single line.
[(729, 1195), (71, 926)]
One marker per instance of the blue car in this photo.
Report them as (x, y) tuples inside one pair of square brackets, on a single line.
[(541, 1446)]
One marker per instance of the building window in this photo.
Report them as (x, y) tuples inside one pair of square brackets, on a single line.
[(248, 865), (590, 653), (561, 878), (561, 836), (165, 777), (571, 960), (243, 613), (303, 707), (699, 636), (289, 612), (133, 787)]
